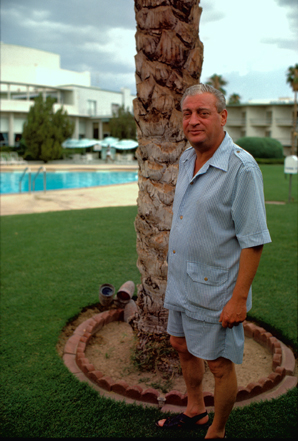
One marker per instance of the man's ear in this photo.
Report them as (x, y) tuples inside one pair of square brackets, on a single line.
[(224, 116)]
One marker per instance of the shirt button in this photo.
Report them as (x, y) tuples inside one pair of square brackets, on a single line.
[(238, 151), (191, 183), (206, 278), (181, 217), (174, 251)]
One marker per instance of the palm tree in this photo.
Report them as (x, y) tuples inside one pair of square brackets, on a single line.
[(292, 79), (234, 98), (169, 59), (217, 81)]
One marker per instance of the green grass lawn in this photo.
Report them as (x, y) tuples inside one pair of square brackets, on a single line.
[(276, 183), (275, 285), (52, 265)]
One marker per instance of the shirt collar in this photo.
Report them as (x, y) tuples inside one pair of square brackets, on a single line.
[(220, 158)]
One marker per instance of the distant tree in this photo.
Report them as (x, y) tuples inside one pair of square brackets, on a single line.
[(292, 77), (217, 81), (234, 99), (292, 80), (123, 125), (44, 130)]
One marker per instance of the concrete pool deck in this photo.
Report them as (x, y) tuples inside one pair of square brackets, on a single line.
[(70, 199)]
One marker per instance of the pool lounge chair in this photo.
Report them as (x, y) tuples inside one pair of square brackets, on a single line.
[(15, 159)]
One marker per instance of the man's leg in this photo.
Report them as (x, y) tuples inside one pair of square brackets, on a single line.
[(193, 371), (225, 393)]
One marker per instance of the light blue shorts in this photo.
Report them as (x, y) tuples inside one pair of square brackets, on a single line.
[(208, 341)]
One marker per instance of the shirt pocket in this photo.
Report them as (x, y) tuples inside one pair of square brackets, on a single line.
[(206, 285)]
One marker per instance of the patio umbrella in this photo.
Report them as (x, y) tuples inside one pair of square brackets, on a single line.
[(109, 140), (79, 143), (125, 144)]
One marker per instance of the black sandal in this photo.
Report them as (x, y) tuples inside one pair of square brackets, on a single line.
[(184, 422)]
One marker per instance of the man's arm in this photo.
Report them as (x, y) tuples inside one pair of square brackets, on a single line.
[(234, 312)]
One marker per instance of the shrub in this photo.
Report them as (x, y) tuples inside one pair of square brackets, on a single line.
[(261, 147), (272, 161), (45, 130)]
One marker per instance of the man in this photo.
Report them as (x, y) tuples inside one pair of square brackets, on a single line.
[(109, 154), (215, 245)]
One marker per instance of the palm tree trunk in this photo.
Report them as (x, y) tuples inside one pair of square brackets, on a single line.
[(294, 131), (169, 59)]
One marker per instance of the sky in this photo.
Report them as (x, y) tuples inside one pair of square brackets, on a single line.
[(250, 43)]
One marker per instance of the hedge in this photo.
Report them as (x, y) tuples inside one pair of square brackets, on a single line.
[(261, 147)]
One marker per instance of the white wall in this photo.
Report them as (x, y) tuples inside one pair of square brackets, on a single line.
[(104, 100), (14, 55), (26, 65)]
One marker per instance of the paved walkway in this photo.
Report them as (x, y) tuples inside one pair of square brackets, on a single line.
[(77, 199)]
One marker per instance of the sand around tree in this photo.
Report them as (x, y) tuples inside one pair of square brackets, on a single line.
[(111, 352)]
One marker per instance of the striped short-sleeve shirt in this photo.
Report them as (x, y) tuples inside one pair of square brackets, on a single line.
[(216, 214)]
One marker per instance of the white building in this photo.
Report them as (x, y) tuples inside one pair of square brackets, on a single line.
[(26, 72), (270, 118)]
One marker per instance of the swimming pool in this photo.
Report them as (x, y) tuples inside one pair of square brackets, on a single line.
[(61, 180)]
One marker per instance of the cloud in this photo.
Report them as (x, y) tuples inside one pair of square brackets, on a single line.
[(287, 3), (98, 13), (88, 35), (292, 7), (281, 43), (50, 25), (210, 13), (119, 43), (98, 36), (261, 85)]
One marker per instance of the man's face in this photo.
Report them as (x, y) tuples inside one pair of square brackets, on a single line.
[(202, 124)]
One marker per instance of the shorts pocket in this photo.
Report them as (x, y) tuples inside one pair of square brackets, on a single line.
[(206, 285)]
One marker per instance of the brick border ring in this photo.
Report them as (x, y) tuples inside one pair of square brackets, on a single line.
[(278, 382)]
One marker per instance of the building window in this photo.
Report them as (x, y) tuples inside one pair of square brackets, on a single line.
[(269, 117), (115, 108), (95, 131), (3, 138), (91, 109), (17, 139)]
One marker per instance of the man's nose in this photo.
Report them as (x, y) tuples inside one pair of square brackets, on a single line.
[(194, 119)]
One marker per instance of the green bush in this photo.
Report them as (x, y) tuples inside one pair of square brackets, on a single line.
[(45, 130), (261, 147), (270, 161), (6, 148)]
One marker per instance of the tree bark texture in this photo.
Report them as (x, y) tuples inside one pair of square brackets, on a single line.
[(169, 59)]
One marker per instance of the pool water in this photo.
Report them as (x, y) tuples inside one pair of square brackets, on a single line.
[(61, 180)]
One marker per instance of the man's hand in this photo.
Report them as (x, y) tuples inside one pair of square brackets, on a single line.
[(233, 313)]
